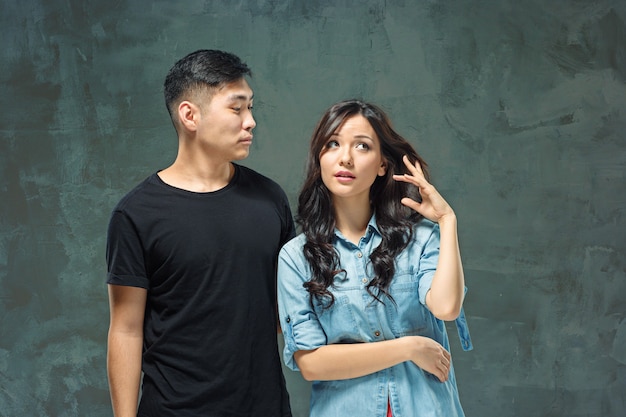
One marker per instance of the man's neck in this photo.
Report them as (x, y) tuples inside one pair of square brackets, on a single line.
[(198, 178)]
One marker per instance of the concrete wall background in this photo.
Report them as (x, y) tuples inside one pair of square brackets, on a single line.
[(518, 106)]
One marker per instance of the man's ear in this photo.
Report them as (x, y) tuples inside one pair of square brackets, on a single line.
[(188, 114)]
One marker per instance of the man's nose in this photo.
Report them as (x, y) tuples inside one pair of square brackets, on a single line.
[(249, 123)]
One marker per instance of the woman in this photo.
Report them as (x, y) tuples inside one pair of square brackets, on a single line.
[(364, 290)]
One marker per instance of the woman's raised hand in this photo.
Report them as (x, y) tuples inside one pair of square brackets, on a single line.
[(433, 206)]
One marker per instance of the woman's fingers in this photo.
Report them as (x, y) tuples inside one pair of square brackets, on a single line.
[(444, 366), (444, 369), (433, 358), (415, 175), (415, 180), (413, 168), (432, 204), (410, 203)]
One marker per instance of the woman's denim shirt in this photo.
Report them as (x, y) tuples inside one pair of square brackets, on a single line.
[(356, 317)]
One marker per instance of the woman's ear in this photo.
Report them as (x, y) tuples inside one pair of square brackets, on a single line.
[(383, 168)]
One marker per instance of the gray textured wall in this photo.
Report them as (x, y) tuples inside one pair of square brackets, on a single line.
[(519, 106)]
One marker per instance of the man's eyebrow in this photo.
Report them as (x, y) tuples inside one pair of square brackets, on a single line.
[(237, 97)]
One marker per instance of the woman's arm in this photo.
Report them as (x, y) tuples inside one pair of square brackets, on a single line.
[(344, 361), (447, 290), (445, 297)]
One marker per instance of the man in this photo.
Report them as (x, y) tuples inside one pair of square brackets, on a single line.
[(191, 255)]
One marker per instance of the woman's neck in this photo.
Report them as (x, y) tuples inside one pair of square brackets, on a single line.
[(351, 218)]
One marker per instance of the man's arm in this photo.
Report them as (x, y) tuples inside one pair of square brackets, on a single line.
[(125, 342)]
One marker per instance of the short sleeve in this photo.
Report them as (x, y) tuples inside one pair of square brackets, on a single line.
[(289, 229), (428, 262), (124, 253), (299, 322)]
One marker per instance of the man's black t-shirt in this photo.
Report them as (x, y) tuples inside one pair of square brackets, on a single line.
[(208, 261)]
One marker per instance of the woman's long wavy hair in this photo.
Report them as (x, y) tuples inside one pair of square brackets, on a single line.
[(315, 209)]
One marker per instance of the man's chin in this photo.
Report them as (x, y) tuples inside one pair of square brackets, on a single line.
[(240, 156)]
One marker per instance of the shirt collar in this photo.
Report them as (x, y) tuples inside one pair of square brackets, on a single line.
[(372, 227)]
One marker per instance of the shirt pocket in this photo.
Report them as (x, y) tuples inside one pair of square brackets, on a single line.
[(342, 321), (407, 315)]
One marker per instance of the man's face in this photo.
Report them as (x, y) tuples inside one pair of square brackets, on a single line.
[(226, 123)]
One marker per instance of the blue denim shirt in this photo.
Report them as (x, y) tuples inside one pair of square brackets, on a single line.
[(356, 317)]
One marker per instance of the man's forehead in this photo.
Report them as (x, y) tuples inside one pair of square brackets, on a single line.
[(237, 91)]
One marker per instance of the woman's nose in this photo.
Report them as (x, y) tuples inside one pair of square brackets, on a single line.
[(346, 159)]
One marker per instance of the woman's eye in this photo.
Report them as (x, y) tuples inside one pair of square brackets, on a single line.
[(332, 144), (362, 146)]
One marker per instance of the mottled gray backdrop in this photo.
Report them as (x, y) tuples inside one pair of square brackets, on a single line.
[(519, 106)]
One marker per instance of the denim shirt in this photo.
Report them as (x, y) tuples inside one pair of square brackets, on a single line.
[(356, 317)]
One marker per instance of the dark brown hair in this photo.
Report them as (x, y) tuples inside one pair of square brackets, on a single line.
[(395, 221)]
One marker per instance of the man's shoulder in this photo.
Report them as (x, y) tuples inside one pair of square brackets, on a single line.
[(138, 193), (254, 175), (251, 177)]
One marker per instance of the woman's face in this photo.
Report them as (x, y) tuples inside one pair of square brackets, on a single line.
[(352, 159)]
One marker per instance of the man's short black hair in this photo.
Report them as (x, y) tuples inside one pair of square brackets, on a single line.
[(201, 69)]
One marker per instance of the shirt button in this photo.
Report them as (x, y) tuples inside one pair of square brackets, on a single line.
[(364, 280), (376, 333), (288, 320), (359, 255)]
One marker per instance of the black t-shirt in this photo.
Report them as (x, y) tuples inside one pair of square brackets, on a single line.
[(208, 261)]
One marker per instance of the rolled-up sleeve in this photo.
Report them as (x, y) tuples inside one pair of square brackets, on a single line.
[(300, 326), (428, 261)]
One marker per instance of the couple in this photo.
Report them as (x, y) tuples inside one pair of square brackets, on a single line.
[(193, 252)]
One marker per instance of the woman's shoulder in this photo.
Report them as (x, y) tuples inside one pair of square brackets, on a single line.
[(424, 229), (292, 253), (294, 245), (425, 224)]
